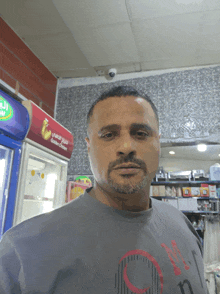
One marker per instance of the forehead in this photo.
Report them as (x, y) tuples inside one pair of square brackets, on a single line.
[(119, 110)]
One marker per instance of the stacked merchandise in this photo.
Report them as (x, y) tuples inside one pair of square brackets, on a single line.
[(76, 188)]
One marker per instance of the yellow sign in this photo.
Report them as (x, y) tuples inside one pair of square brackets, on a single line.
[(44, 132)]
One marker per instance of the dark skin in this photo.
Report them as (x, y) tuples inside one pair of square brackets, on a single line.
[(132, 137)]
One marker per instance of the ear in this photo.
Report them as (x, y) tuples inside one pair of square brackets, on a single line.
[(88, 144)]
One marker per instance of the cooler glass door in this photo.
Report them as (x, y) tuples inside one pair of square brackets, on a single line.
[(42, 184), (6, 156)]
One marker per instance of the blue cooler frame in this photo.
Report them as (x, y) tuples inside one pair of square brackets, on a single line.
[(13, 182)]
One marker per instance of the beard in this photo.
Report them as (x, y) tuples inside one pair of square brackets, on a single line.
[(130, 186)]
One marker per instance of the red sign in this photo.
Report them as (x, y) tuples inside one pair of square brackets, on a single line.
[(47, 132)]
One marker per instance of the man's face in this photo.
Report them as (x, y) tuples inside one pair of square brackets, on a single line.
[(123, 130)]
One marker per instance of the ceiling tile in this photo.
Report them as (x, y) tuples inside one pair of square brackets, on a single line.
[(126, 68), (87, 13), (75, 73), (58, 52), (167, 36), (33, 17), (168, 63), (183, 152), (162, 34), (112, 33), (142, 9), (108, 45)]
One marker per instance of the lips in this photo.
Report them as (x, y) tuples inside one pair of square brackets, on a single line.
[(128, 171), (127, 166)]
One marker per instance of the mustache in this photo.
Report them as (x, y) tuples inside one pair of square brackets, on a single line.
[(128, 159)]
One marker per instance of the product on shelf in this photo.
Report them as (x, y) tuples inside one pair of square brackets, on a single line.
[(77, 187), (204, 205), (196, 174), (160, 174), (173, 192), (195, 191), (204, 190), (187, 175), (186, 191), (218, 192), (155, 190), (168, 191), (162, 191), (215, 172), (179, 192), (212, 191)]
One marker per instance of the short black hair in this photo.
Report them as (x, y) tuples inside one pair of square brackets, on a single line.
[(121, 91)]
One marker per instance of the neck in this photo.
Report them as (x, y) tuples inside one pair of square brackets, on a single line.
[(131, 202)]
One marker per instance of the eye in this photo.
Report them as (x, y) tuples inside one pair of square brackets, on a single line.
[(142, 134), (107, 135)]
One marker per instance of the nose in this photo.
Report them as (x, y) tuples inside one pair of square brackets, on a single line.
[(126, 146)]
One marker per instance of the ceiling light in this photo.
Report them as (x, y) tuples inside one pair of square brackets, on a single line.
[(172, 152), (201, 147)]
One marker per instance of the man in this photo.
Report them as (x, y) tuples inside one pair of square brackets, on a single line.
[(114, 238)]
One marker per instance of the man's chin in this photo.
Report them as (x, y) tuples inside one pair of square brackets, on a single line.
[(126, 191), (127, 188), (128, 184)]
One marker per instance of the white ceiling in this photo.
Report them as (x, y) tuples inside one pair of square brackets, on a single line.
[(84, 38), (191, 153)]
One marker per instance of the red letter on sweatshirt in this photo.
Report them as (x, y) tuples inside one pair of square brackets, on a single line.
[(176, 269)]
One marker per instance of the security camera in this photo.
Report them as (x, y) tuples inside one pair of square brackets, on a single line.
[(112, 72)]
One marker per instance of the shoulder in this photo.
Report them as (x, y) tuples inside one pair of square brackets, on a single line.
[(171, 215), (163, 206), (39, 226), (175, 219), (168, 211)]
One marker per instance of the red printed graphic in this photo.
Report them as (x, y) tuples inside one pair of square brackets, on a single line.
[(176, 250), (135, 254), (131, 286)]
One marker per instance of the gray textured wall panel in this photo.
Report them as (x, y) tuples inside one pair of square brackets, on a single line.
[(188, 104)]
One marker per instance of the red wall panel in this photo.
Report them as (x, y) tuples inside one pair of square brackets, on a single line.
[(19, 64), (8, 79), (16, 68), (26, 93)]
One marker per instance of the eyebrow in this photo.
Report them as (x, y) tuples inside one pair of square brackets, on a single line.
[(142, 126)]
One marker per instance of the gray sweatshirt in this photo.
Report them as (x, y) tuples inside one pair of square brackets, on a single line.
[(86, 247)]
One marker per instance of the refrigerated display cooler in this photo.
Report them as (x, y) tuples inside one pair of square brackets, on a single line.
[(14, 124), (45, 153)]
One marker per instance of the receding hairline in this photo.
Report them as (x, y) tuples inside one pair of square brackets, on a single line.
[(89, 120)]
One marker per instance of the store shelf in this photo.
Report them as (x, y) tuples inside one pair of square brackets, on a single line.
[(198, 211), (198, 198), (185, 183), (191, 204), (166, 197)]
